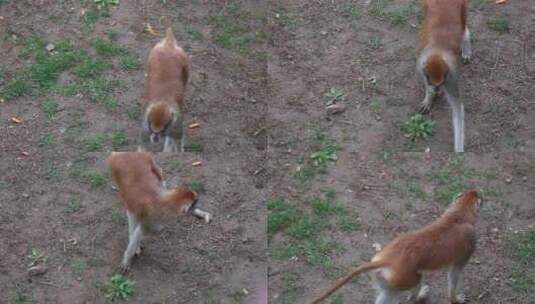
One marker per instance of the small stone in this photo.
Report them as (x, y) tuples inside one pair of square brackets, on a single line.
[(50, 47), (277, 16), (25, 195), (336, 108), (525, 179), (323, 33), (508, 180), (37, 270)]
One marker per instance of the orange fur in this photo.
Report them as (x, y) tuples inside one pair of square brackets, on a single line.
[(139, 180), (450, 240), (442, 32), (444, 24), (168, 73)]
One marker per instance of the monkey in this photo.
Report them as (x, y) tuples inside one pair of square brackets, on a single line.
[(143, 194), (448, 242), (167, 76), (444, 35)]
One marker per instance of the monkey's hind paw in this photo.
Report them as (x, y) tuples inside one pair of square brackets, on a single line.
[(207, 217), (460, 299), (139, 250)]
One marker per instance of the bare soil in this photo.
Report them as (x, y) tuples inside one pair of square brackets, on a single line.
[(56, 195)]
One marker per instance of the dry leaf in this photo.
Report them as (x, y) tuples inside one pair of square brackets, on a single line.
[(151, 30), (25, 153), (194, 125), (500, 1), (16, 120), (197, 163)]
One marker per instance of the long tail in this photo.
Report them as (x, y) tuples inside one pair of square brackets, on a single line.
[(341, 282), (170, 39)]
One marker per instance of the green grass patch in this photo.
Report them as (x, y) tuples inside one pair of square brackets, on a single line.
[(280, 215), (118, 139), (521, 248), (500, 25), (108, 48), (50, 107), (323, 153), (130, 62), (91, 68), (450, 180), (396, 14), (194, 146), (196, 186)]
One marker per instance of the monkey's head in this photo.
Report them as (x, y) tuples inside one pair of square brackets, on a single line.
[(184, 198), (436, 71), (471, 199), (159, 116)]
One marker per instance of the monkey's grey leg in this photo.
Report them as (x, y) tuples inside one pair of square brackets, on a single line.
[(169, 144), (453, 279), (466, 46), (419, 293), (132, 224), (384, 294), (430, 95), (202, 214), (133, 245)]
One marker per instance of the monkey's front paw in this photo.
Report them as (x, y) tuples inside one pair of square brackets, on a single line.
[(124, 268), (207, 218), (425, 107), (460, 299)]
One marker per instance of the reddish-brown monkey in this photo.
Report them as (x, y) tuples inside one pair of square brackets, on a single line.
[(444, 37), (143, 193), (446, 243), (167, 76)]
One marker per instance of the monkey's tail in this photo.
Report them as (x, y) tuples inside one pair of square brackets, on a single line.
[(170, 39), (341, 282)]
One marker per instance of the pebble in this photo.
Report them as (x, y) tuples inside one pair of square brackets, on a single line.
[(336, 108), (37, 270), (50, 47)]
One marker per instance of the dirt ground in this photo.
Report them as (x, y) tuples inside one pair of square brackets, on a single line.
[(56, 194), (327, 187), (366, 52)]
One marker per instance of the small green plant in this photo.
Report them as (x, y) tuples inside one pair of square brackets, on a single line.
[(375, 42), (521, 248), (108, 48), (376, 106), (325, 155), (36, 257), (418, 127), (94, 178), (106, 4), (334, 95), (119, 288), (500, 25), (73, 206)]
